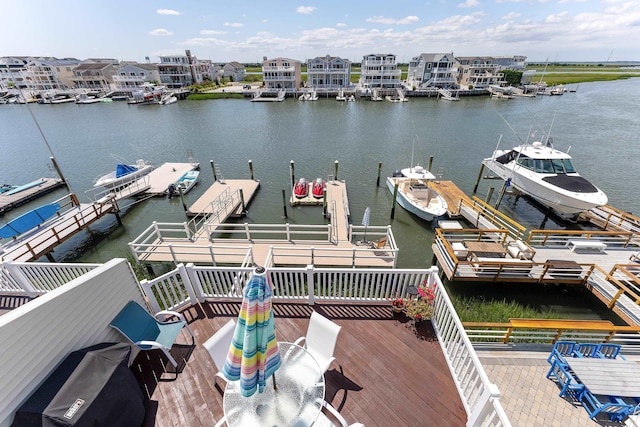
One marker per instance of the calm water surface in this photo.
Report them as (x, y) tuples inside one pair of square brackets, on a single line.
[(600, 122)]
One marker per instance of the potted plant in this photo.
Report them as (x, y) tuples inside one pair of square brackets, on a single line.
[(421, 308), (398, 304)]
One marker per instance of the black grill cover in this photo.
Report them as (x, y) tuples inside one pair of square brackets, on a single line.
[(92, 387)]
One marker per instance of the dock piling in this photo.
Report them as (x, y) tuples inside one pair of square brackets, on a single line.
[(213, 168), (393, 203), (284, 202), (244, 207), (475, 187), (379, 170), (184, 204), (291, 170), (489, 194), (250, 169), (501, 195), (430, 162), (59, 172), (335, 170), (324, 202)]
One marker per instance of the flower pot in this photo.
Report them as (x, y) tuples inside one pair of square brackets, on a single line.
[(397, 309)]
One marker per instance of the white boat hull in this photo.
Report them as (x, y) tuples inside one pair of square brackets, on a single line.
[(427, 208), (110, 181), (528, 182)]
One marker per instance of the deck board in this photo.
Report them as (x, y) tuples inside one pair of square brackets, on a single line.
[(452, 194), (387, 373)]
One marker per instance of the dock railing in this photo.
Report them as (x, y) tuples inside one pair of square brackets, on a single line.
[(548, 331), (621, 239), (268, 232), (610, 217), (483, 215)]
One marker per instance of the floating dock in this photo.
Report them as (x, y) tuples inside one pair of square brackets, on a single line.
[(161, 177), (12, 201), (225, 195)]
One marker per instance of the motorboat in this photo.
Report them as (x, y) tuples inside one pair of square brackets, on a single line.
[(317, 189), (547, 175), (185, 183), (168, 99), (124, 174), (301, 188), (415, 194)]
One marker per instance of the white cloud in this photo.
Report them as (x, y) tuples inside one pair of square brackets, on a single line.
[(306, 10), (212, 32), (556, 17), (233, 24), (390, 21), (160, 32), (168, 12), (511, 15), (341, 25), (205, 41), (265, 20), (469, 3)]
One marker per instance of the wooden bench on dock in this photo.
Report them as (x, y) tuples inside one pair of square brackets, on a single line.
[(586, 244)]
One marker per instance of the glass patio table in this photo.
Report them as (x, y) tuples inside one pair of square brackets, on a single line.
[(297, 400)]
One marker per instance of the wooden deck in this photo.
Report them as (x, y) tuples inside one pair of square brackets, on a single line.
[(387, 371), (451, 194), (337, 192)]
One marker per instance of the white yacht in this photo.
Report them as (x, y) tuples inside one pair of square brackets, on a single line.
[(124, 175), (548, 176), (414, 193)]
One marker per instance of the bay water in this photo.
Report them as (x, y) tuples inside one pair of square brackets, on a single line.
[(600, 123)]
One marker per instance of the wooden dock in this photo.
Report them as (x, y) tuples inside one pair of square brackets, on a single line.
[(166, 174), (451, 194), (337, 196), (206, 204), (12, 201)]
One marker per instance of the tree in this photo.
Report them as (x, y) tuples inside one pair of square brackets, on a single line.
[(512, 77)]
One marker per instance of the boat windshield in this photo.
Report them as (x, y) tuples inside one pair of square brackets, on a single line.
[(547, 166)]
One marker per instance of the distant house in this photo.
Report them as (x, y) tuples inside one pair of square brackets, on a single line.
[(234, 70), (93, 75), (179, 71), (132, 76), (480, 72), (281, 73), (328, 72), (379, 70), (431, 70), (12, 70), (516, 62)]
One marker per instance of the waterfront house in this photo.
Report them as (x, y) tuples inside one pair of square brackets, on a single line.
[(515, 62), (44, 74), (281, 73), (234, 70), (479, 72), (379, 71), (432, 70), (94, 75), (132, 76), (180, 71), (12, 70), (328, 72)]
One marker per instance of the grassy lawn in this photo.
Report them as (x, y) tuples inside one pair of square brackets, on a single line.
[(572, 78), (217, 95)]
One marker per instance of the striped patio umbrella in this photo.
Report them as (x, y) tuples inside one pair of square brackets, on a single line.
[(253, 354)]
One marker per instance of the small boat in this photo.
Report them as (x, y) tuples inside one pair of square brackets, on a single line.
[(6, 187), (18, 189), (184, 184), (317, 190), (168, 99), (548, 176), (414, 193), (301, 188), (124, 174), (29, 220)]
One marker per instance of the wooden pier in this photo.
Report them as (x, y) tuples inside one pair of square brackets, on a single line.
[(12, 201), (166, 174), (451, 194), (206, 204)]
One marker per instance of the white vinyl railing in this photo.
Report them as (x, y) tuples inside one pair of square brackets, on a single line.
[(37, 278)]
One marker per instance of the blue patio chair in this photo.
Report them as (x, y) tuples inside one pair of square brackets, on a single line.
[(610, 351), (560, 350), (615, 408), (586, 350), (148, 333), (567, 382)]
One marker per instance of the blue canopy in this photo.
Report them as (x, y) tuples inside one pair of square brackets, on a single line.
[(122, 170)]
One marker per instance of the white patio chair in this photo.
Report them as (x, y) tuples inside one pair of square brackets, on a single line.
[(218, 347), (320, 341), (222, 421), (333, 418)]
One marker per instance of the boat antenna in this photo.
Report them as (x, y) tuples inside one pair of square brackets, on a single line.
[(548, 142), (44, 138), (498, 144), (512, 130)]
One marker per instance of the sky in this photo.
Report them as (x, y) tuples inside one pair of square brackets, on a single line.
[(247, 30)]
